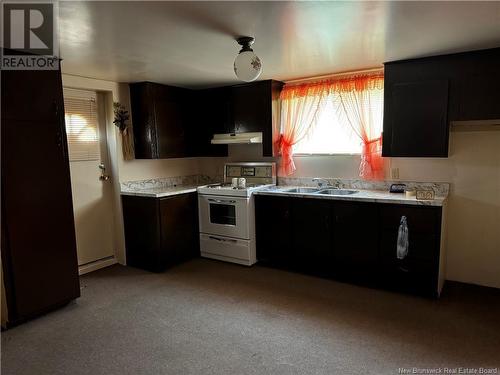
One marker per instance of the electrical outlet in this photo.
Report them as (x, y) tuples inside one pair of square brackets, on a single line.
[(395, 173)]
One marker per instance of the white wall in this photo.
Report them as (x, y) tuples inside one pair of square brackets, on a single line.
[(473, 169)]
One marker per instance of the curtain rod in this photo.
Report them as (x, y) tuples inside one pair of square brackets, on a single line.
[(340, 74)]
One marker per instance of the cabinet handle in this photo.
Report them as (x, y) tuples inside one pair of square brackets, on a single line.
[(61, 129), (222, 239)]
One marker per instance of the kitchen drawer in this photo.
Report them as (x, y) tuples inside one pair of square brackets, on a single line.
[(219, 246)]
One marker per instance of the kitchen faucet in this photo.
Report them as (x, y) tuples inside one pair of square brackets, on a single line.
[(322, 181)]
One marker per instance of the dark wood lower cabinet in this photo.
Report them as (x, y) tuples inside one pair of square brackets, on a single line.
[(312, 236), (355, 240), (160, 232), (418, 271), (272, 220), (351, 241)]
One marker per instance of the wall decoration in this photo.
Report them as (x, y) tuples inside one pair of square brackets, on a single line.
[(121, 118)]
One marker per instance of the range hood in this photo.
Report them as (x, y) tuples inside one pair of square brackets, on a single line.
[(475, 125), (237, 138)]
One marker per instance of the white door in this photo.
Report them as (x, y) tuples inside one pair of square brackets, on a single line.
[(90, 175)]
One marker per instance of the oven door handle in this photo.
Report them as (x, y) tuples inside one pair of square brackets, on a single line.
[(221, 200), (221, 239)]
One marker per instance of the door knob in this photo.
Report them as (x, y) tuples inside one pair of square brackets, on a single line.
[(103, 176)]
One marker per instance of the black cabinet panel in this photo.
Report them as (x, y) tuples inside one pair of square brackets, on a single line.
[(179, 228), (255, 108), (41, 102), (419, 120), (38, 236), (170, 121), (312, 234), (273, 229), (418, 271), (418, 103), (479, 96), (160, 232), (159, 120), (142, 228), (352, 241), (356, 238), (211, 116)]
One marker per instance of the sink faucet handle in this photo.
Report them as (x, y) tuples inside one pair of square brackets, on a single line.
[(321, 181)]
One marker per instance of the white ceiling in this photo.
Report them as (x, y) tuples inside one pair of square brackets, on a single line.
[(191, 44)]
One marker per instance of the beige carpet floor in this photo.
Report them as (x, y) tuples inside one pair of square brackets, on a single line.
[(208, 317)]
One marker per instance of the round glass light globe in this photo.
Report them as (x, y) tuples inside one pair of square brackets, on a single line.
[(247, 66)]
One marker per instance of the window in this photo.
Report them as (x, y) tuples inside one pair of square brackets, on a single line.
[(81, 125), (323, 116), (331, 134)]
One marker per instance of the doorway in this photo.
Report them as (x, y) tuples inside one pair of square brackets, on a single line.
[(92, 189)]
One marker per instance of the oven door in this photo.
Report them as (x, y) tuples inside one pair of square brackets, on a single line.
[(224, 216)]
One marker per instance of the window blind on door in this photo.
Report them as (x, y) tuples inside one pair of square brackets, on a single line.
[(81, 125)]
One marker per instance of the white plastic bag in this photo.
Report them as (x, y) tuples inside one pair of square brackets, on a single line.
[(403, 243)]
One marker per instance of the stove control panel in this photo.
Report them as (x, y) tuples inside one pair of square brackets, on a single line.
[(253, 172)]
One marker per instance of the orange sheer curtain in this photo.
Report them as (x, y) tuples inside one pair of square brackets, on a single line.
[(359, 101), (354, 98), (300, 105)]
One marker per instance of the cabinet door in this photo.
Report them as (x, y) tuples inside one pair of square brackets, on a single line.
[(142, 232), (170, 121), (312, 235), (211, 117), (143, 121), (251, 107), (356, 239), (159, 120), (179, 228), (273, 229), (418, 271), (478, 97), (419, 118)]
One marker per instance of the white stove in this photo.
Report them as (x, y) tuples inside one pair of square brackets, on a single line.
[(226, 213)]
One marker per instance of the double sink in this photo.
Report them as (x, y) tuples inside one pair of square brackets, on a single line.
[(311, 190)]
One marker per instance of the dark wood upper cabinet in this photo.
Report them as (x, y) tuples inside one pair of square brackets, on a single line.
[(159, 120), (425, 132), (255, 107), (212, 116), (422, 96), (171, 122), (476, 80)]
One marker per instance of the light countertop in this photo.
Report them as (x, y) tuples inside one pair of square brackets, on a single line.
[(379, 196), (159, 192)]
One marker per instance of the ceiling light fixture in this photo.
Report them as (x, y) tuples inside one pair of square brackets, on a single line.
[(247, 65)]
